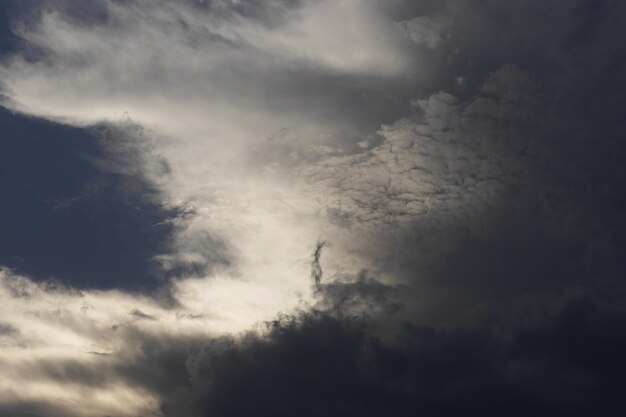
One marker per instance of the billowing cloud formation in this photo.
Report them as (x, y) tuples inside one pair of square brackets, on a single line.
[(81, 353), (321, 365), (461, 160), (316, 361)]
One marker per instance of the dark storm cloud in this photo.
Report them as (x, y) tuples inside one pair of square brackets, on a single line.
[(325, 366), (507, 184), (511, 271), (362, 295), (327, 362), (494, 212), (318, 364)]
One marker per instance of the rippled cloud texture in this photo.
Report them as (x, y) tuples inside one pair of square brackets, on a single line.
[(316, 208)]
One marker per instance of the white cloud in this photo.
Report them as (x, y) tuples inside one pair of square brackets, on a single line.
[(207, 84), (52, 338)]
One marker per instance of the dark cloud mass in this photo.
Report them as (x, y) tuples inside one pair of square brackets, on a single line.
[(319, 364), (449, 174)]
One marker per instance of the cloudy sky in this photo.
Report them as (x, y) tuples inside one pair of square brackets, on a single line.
[(312, 208)]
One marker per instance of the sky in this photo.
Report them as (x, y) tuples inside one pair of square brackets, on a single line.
[(215, 208)]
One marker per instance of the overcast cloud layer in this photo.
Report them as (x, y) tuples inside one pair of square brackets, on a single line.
[(317, 208)]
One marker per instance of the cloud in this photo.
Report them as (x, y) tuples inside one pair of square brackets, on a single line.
[(318, 364), (211, 59), (324, 360), (205, 82), (462, 162), (93, 352), (422, 31)]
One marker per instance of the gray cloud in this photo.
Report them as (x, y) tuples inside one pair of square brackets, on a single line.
[(462, 160)]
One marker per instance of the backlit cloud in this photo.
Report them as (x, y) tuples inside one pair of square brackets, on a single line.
[(313, 207)]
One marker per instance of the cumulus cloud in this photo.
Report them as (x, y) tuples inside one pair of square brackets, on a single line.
[(318, 361), (90, 352), (320, 365)]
